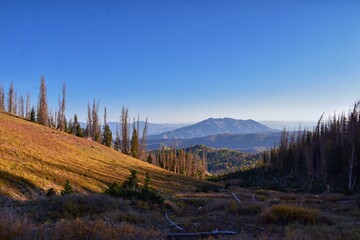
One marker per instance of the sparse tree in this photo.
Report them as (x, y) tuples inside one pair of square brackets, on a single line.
[(33, 114), (131, 182), (15, 105), (107, 134), (61, 113), (42, 113), (2, 98), (134, 143), (28, 110), (142, 149), (124, 131), (89, 127), (10, 99), (117, 144), (96, 134), (21, 107), (67, 188)]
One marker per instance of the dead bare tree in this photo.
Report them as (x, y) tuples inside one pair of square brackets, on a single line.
[(2, 98), (28, 108), (124, 131), (142, 149), (61, 112), (42, 113), (21, 112), (10, 99), (89, 127)]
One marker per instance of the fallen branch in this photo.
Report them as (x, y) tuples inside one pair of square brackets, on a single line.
[(200, 234), (173, 224), (237, 199), (253, 198), (258, 227)]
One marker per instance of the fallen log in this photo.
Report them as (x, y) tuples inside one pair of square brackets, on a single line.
[(236, 197), (200, 234), (173, 223)]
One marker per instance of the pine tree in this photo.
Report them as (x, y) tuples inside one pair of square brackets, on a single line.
[(134, 143), (67, 188), (42, 114), (33, 114), (131, 182), (146, 187), (107, 134), (76, 127)]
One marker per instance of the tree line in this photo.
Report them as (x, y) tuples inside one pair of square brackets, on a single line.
[(329, 155), (133, 144), (182, 161)]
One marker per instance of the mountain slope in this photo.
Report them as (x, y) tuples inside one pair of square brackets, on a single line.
[(213, 126), (252, 143), (34, 158)]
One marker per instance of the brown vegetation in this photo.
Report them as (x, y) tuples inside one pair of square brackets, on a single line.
[(34, 158)]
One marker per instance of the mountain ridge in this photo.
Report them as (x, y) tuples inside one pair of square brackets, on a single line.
[(250, 143), (214, 126)]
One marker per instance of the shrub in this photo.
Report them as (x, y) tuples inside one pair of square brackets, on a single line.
[(245, 208), (67, 188), (285, 214), (129, 189), (13, 226), (50, 192), (172, 206)]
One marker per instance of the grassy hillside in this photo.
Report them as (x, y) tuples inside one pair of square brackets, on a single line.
[(34, 158)]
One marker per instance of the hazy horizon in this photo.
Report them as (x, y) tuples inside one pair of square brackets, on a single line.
[(186, 61)]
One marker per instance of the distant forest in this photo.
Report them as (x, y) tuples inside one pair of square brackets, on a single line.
[(329, 155)]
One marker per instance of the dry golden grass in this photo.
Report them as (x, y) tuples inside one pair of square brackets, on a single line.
[(286, 214), (34, 158)]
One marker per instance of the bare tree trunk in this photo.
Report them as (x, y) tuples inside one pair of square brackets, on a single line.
[(43, 106), (142, 148), (28, 108), (10, 99), (351, 169), (2, 99)]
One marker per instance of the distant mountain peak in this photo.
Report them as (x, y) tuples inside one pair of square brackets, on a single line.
[(213, 126)]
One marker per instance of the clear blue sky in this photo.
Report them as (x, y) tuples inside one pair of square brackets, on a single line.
[(184, 61)]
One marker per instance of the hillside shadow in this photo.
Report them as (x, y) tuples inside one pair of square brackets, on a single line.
[(20, 185)]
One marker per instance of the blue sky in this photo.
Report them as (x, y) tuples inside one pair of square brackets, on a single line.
[(185, 61)]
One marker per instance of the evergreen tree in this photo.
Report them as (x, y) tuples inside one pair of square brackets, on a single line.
[(67, 188), (33, 114), (146, 187), (107, 134), (134, 143), (131, 183), (77, 128)]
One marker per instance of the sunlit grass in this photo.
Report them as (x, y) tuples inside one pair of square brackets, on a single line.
[(34, 158)]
